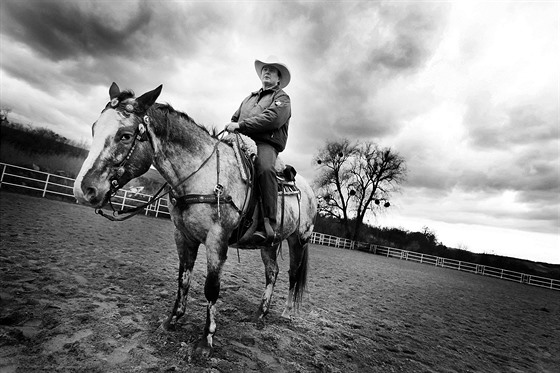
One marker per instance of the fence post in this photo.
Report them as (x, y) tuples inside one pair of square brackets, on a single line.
[(123, 200), (157, 207), (46, 185), (2, 177)]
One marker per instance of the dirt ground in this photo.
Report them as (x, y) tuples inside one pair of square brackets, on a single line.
[(82, 294)]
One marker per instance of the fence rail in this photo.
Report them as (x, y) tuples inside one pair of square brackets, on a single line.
[(43, 184), (391, 252)]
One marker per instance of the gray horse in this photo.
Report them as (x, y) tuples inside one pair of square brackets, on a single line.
[(210, 194)]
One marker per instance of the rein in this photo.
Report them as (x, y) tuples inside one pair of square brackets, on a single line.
[(132, 211)]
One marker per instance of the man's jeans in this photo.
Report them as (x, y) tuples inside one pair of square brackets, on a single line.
[(266, 179)]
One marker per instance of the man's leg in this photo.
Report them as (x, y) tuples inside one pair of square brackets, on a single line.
[(266, 177)]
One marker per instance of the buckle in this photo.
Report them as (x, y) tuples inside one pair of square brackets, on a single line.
[(218, 189)]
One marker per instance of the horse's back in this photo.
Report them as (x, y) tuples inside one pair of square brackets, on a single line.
[(308, 206)]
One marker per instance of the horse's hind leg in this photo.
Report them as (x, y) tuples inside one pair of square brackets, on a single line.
[(298, 273), (187, 251), (268, 255)]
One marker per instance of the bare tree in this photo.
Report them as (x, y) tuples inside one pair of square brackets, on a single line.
[(430, 235), (333, 181), (356, 179)]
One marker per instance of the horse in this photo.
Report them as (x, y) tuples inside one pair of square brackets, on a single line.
[(209, 194)]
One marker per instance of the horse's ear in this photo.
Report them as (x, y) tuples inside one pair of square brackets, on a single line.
[(114, 91), (148, 98)]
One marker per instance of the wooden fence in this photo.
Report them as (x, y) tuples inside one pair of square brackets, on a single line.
[(43, 184), (391, 252)]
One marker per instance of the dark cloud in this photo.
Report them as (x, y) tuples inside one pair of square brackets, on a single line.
[(66, 30), (527, 125), (528, 138), (60, 30), (532, 172), (83, 46), (412, 36), (312, 27), (493, 127), (349, 61)]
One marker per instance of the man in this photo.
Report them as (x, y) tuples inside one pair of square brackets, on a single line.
[(264, 116)]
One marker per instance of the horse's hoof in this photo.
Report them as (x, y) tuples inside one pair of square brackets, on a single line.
[(167, 324), (203, 351), (287, 316), (259, 323)]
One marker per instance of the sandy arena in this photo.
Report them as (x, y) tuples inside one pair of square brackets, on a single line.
[(82, 294)]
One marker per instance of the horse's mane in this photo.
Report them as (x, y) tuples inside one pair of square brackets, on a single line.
[(168, 109)]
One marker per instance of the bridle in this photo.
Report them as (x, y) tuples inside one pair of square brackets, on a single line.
[(140, 135)]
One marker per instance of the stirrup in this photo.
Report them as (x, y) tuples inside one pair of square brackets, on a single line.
[(270, 234), (259, 236)]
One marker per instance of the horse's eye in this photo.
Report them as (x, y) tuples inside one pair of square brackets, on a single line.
[(125, 137)]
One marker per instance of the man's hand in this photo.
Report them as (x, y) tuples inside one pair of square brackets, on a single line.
[(232, 126)]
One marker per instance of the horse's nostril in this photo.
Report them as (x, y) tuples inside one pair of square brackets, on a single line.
[(90, 194)]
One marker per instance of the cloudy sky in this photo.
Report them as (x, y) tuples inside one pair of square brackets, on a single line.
[(468, 93)]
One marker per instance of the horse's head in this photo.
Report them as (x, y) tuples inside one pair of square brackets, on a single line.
[(119, 151)]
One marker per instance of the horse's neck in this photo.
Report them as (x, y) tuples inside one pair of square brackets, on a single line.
[(180, 145)]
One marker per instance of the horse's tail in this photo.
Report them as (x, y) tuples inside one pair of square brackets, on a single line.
[(301, 276)]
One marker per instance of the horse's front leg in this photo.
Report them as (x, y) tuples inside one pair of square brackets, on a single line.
[(216, 252), (187, 250), (268, 255)]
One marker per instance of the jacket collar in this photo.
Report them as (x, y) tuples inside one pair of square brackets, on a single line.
[(262, 90)]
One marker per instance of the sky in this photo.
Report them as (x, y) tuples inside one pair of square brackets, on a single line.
[(468, 93)]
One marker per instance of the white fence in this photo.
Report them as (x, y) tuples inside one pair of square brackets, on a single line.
[(43, 184), (390, 252)]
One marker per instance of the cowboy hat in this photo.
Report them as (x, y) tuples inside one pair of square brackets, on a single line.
[(284, 72)]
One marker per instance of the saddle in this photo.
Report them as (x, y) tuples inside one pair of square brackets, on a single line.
[(251, 214)]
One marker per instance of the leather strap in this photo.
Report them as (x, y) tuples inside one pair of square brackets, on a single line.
[(190, 199)]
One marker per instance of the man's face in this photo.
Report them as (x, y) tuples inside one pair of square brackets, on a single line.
[(270, 76)]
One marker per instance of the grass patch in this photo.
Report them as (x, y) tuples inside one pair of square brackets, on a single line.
[(68, 165), (53, 163)]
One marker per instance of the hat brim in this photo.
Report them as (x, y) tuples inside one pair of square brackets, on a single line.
[(284, 72)]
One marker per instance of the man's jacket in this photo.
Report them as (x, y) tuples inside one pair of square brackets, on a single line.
[(264, 116)]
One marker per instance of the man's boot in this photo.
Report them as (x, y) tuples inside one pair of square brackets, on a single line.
[(269, 229), (267, 236)]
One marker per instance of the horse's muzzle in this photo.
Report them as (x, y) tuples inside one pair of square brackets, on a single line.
[(91, 195)]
